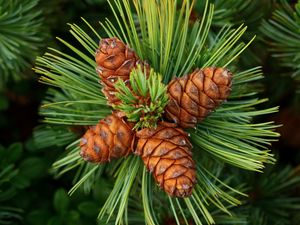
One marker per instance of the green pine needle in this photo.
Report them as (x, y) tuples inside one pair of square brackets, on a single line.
[(145, 103)]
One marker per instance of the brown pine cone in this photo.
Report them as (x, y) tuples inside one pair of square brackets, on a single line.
[(193, 96), (115, 60), (166, 152), (110, 139)]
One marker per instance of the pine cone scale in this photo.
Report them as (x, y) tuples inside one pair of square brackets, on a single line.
[(163, 165), (187, 116), (174, 171), (193, 92), (125, 67), (162, 149), (211, 89), (175, 90), (151, 162), (189, 105), (206, 102), (197, 78)]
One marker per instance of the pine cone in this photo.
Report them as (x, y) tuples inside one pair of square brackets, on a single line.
[(166, 152), (115, 60), (110, 139), (193, 96)]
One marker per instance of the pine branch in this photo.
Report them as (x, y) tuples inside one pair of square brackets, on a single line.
[(172, 47)]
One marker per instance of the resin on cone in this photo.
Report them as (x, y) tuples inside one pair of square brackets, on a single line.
[(166, 152), (110, 139), (193, 96), (115, 60)]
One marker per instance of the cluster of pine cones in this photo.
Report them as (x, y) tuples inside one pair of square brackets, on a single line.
[(166, 149)]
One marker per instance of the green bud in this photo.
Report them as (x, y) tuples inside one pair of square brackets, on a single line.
[(144, 103)]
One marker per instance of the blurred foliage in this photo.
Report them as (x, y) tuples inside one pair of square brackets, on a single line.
[(283, 29), (18, 173), (21, 35), (28, 194), (27, 26), (273, 198), (19, 103)]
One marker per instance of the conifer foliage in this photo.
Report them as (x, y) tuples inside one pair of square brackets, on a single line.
[(171, 46)]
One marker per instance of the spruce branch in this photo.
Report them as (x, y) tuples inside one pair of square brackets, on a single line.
[(145, 103)]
